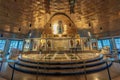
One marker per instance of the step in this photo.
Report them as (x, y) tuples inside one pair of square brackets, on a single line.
[(62, 63), (68, 66), (60, 71)]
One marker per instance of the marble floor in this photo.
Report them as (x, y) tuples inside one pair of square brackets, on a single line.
[(56, 57), (6, 73)]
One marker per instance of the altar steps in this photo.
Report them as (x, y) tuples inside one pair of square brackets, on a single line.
[(60, 71), (61, 68), (65, 66)]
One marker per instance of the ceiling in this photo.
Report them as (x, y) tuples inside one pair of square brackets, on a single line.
[(100, 16)]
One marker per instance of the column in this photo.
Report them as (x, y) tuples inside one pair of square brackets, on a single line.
[(113, 43), (7, 46)]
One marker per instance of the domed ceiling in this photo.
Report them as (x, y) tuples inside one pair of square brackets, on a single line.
[(102, 17)]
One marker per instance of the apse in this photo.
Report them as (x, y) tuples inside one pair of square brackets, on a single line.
[(60, 24)]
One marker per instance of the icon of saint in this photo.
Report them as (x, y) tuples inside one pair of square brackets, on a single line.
[(60, 27)]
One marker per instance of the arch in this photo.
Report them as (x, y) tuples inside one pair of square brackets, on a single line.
[(60, 13), (74, 27)]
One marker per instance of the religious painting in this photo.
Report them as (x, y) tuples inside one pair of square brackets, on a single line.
[(27, 45), (42, 45), (71, 43), (49, 43), (77, 43), (35, 44), (60, 27), (94, 43)]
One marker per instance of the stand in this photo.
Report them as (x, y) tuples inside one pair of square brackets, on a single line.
[(37, 74), (12, 77), (85, 75), (108, 71), (1, 66)]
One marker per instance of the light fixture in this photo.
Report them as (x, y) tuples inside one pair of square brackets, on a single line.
[(89, 34), (101, 28), (55, 31), (65, 29), (30, 25), (89, 24), (19, 29), (29, 33), (1, 35), (70, 24)]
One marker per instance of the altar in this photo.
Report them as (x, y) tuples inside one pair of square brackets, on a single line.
[(60, 44), (60, 35)]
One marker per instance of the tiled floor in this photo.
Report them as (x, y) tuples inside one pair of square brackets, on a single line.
[(59, 57), (102, 75)]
